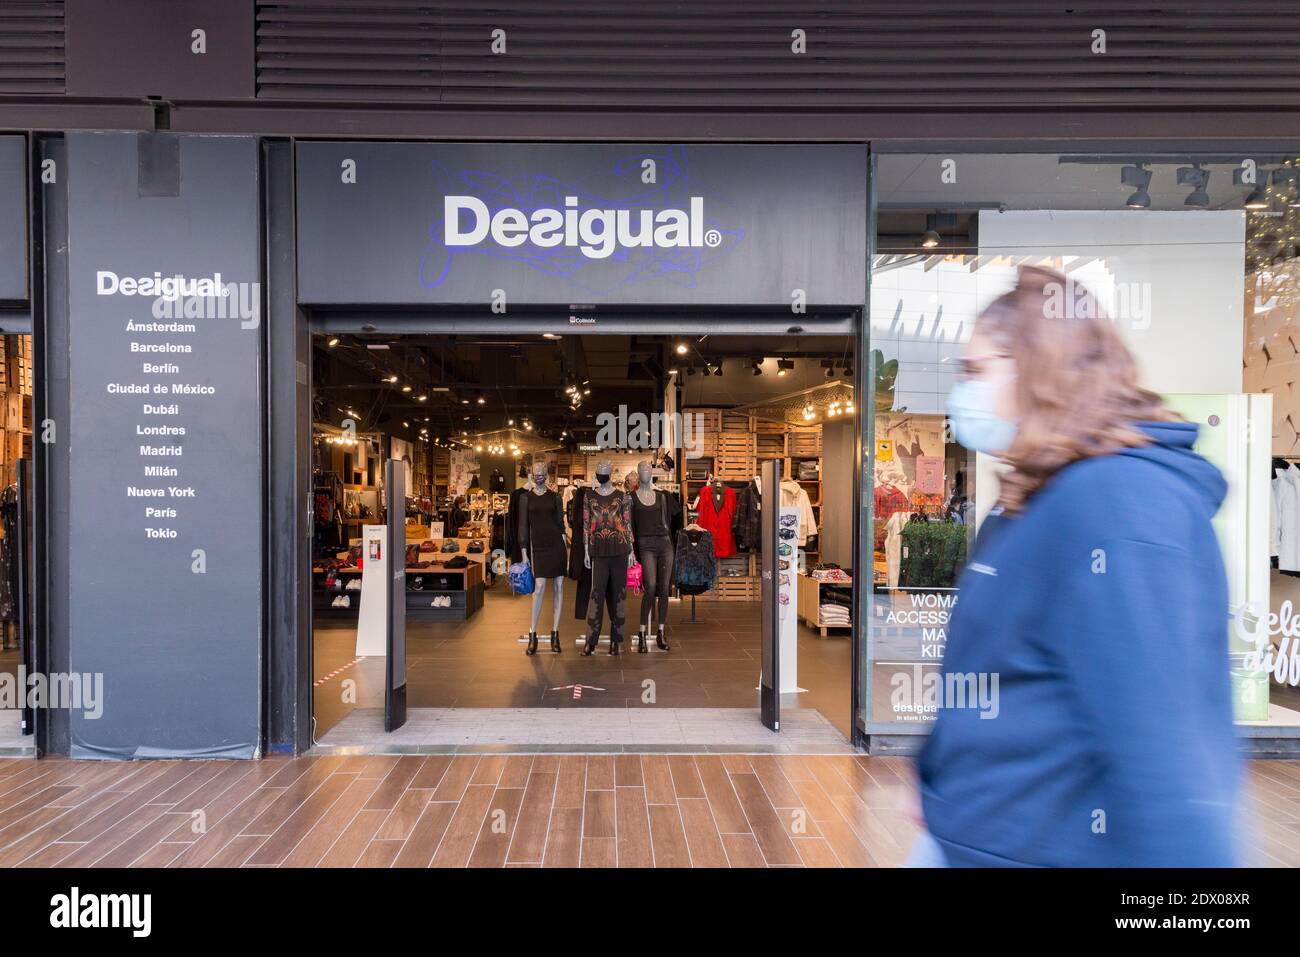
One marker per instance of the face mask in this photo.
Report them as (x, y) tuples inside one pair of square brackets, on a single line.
[(974, 423)]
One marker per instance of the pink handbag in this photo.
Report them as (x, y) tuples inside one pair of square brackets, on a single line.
[(634, 577)]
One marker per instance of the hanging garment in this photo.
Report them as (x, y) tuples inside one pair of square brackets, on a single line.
[(888, 500), (1274, 524), (542, 531), (1288, 514), (717, 509), (894, 545), (9, 580), (747, 526), (794, 496), (695, 563), (578, 569), (512, 525)]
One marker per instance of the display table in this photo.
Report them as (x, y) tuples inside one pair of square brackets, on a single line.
[(810, 603), (461, 587)]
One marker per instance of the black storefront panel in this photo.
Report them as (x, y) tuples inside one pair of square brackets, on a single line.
[(164, 443), (479, 224), (13, 218)]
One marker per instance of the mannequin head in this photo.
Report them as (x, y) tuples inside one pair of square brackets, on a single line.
[(539, 472), (604, 471), (644, 475)]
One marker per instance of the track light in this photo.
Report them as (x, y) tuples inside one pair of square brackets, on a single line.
[(406, 388), (1139, 177), (757, 366), (682, 348), (333, 342), (930, 240), (783, 366), (829, 366), (1199, 179)]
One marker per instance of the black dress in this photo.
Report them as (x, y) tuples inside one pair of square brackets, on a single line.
[(542, 533)]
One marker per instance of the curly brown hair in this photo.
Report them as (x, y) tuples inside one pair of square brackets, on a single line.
[(1077, 388)]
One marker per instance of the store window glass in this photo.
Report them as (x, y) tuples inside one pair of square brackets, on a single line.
[(1194, 258)]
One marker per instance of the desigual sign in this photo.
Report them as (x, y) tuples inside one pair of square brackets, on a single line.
[(529, 224)]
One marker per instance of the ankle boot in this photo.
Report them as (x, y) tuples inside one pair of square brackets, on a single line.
[(640, 642), (532, 643), (613, 646), (590, 648), (661, 640), (555, 642)]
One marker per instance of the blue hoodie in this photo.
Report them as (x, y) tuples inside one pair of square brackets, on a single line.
[(1102, 608)]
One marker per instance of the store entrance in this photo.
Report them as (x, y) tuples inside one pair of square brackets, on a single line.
[(560, 448)]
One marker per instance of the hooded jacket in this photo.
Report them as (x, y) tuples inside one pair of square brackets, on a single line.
[(1102, 611)]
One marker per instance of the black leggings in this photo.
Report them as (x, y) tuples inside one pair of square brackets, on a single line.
[(608, 587), (656, 558)]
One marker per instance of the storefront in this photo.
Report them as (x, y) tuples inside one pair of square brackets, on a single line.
[(173, 537)]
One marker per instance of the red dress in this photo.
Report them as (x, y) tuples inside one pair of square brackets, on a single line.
[(718, 521)]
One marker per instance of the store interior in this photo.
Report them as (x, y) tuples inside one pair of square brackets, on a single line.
[(506, 441), (16, 409)]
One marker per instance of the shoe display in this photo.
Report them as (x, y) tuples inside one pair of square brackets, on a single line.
[(555, 642), (641, 648), (590, 648), (532, 643), (354, 584), (661, 639)]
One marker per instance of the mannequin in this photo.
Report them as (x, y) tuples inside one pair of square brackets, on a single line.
[(652, 514), (607, 545), (541, 540)]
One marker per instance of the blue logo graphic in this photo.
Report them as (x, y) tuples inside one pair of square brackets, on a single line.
[(624, 266)]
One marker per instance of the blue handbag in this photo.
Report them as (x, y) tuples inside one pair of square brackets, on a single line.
[(521, 579)]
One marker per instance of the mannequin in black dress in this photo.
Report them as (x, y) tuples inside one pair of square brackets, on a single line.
[(541, 540)]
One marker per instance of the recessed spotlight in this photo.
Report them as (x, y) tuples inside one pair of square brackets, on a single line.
[(406, 388), (421, 398)]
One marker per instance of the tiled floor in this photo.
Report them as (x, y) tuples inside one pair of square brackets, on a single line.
[(431, 730), (624, 810), (480, 663)]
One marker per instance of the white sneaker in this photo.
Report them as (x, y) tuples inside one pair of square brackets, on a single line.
[(345, 601)]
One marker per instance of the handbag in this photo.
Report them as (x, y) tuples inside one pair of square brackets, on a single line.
[(634, 577), (521, 579)]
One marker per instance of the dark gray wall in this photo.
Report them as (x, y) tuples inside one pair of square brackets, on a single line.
[(789, 217), (179, 651), (13, 218), (137, 48)]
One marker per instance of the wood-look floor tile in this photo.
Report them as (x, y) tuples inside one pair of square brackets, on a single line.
[(632, 828), (564, 838), (658, 779), (600, 772), (347, 849), (742, 850), (767, 828), (498, 828), (668, 836), (686, 779), (426, 837), (599, 851), (462, 833), (721, 795), (380, 854), (598, 815)]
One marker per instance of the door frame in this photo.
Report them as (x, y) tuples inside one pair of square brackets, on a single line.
[(851, 321)]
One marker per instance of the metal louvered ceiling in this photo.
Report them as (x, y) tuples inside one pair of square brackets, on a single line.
[(31, 46), (720, 54)]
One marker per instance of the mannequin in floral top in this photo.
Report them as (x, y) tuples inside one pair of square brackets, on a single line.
[(607, 528)]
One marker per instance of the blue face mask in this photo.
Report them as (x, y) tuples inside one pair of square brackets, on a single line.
[(974, 423)]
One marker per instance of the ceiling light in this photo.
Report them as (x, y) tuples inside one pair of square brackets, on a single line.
[(1197, 178), (482, 401), (391, 379), (784, 365), (757, 366), (1139, 177), (681, 348), (930, 239), (829, 366), (333, 342), (550, 335), (406, 388), (421, 398), (478, 448), (1257, 200)]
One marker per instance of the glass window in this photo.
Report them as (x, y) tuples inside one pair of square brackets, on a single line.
[(1193, 257)]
